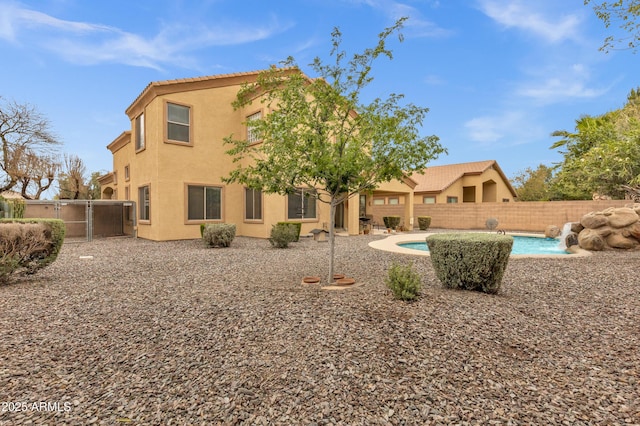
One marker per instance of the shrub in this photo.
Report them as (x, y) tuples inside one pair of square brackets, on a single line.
[(391, 222), (424, 222), (219, 234), (470, 261), (17, 208), (282, 234), (404, 282), (202, 226), (29, 245), (297, 226)]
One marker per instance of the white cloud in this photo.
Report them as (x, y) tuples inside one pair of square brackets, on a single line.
[(88, 43), (506, 128), (561, 84), (522, 15), (415, 26)]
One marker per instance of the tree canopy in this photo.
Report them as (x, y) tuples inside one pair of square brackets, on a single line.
[(27, 160), (601, 155), (624, 15), (318, 133)]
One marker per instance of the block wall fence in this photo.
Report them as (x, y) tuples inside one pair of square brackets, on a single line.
[(531, 216)]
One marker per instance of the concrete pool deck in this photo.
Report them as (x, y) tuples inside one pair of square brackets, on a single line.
[(391, 244)]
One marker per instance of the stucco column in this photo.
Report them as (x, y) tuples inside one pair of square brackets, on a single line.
[(408, 211), (353, 217)]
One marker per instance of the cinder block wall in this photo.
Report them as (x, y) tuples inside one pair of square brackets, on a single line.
[(533, 216)]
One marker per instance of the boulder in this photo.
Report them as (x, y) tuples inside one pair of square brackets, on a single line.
[(604, 231), (593, 220), (619, 241), (591, 240), (576, 227), (634, 231), (622, 217), (552, 231), (571, 240)]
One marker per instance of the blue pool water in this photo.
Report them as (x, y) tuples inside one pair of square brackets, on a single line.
[(521, 245)]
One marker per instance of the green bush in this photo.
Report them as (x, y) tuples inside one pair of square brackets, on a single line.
[(424, 222), (29, 244), (219, 234), (391, 222), (282, 234), (297, 226), (404, 281), (202, 226), (470, 261), (17, 207)]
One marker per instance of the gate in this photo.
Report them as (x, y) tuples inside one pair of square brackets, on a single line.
[(87, 219)]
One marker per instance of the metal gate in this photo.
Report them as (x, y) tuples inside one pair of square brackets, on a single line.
[(87, 219)]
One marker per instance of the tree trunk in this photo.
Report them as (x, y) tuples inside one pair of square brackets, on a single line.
[(332, 221)]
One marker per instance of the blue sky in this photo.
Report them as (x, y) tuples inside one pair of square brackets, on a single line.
[(498, 75)]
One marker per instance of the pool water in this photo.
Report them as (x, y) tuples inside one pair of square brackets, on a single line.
[(521, 245)]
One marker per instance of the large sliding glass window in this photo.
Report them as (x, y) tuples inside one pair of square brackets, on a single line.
[(204, 203)]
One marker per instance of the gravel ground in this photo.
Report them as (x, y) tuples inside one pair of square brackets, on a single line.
[(149, 333)]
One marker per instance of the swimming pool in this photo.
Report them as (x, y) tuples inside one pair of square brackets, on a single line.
[(521, 245)]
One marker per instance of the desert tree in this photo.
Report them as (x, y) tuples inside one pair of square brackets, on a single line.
[(623, 14), (319, 134), (27, 145)]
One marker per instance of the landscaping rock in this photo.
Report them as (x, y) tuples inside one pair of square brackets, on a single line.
[(591, 240), (615, 227), (552, 231)]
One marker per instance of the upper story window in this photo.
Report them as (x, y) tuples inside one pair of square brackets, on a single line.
[(394, 201), (252, 133), (178, 123), (452, 200), (139, 123), (427, 199)]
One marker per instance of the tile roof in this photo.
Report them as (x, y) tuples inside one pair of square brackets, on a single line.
[(438, 178)]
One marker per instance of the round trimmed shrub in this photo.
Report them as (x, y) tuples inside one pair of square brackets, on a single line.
[(424, 222), (470, 261)]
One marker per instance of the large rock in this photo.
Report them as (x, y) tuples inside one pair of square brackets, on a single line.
[(622, 217), (589, 239), (576, 227), (619, 241), (593, 220), (634, 230), (552, 231), (571, 240)]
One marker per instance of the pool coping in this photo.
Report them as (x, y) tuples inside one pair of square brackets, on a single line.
[(391, 244)]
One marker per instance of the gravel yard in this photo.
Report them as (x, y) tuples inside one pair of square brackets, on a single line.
[(148, 333)]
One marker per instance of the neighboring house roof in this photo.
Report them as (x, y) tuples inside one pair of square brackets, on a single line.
[(436, 179), (9, 195)]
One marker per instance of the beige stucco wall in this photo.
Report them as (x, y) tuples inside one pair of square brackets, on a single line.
[(168, 167)]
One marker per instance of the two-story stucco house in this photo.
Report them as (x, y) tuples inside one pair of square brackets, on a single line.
[(172, 161)]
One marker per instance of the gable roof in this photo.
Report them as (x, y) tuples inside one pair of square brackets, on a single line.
[(436, 179), (158, 88)]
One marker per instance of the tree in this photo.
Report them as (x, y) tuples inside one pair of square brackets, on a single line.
[(534, 185), (602, 155), (72, 179), (624, 13), (318, 134), (28, 146)]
